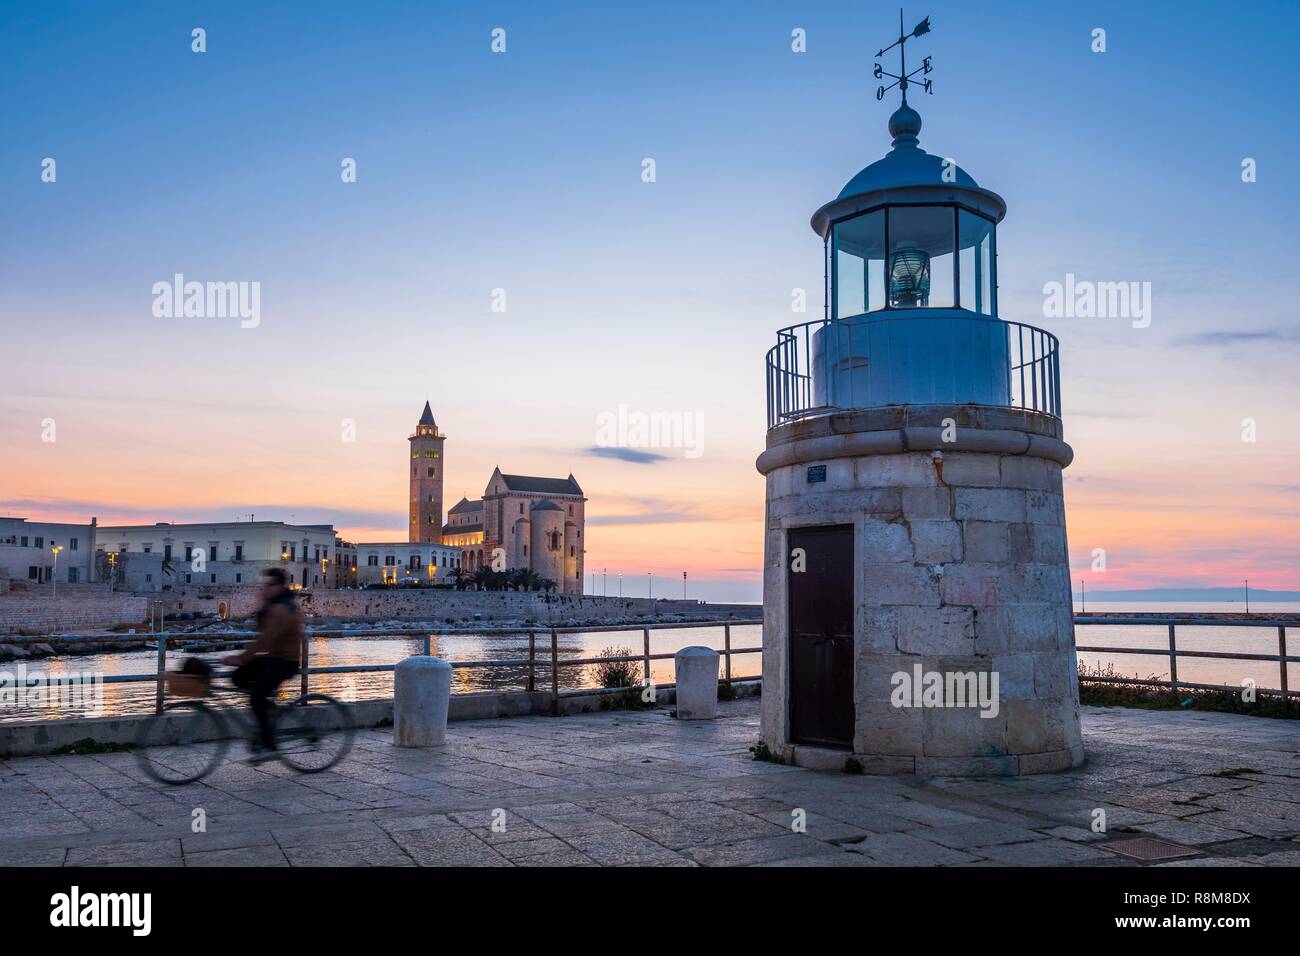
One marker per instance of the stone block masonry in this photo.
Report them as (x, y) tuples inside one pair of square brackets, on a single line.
[(960, 567), (75, 607)]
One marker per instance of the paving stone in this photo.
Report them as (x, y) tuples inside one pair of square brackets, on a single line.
[(749, 852), (1191, 832), (562, 858), (218, 838), (135, 853), (903, 849), (296, 836), (524, 848), (614, 849), (967, 835), (361, 853), (580, 792), (239, 856), (1215, 862), (33, 856), (1050, 852)]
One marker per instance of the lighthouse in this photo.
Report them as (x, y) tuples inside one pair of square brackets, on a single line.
[(917, 607)]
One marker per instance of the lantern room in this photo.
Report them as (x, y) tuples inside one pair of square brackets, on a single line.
[(912, 231), (911, 276)]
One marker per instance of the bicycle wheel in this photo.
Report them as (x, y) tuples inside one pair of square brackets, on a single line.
[(184, 743), (313, 733)]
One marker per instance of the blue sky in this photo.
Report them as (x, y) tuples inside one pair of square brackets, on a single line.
[(522, 171)]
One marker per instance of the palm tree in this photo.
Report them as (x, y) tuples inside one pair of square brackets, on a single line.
[(485, 579), (525, 579)]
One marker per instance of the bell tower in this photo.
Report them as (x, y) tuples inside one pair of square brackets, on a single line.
[(426, 480)]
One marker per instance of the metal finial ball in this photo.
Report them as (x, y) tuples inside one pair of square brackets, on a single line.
[(905, 121)]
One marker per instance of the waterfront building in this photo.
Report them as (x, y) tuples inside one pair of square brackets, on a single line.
[(412, 562), (37, 551), (163, 555)]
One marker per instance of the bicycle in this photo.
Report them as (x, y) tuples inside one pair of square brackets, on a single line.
[(189, 739)]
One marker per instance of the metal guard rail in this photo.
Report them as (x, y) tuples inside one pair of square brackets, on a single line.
[(1023, 358), (1172, 653), (532, 662)]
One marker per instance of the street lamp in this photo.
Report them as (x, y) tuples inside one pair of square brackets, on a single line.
[(56, 549)]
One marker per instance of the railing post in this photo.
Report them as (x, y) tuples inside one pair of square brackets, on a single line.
[(555, 674), (645, 634), (726, 642), (1281, 660), (532, 661), (1173, 658), (162, 670), (302, 663)]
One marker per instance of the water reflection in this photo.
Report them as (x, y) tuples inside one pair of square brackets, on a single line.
[(138, 698), (333, 651)]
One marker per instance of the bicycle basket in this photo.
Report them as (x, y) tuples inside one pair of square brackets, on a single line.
[(187, 685), (194, 679)]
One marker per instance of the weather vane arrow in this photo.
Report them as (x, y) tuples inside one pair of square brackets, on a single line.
[(902, 79)]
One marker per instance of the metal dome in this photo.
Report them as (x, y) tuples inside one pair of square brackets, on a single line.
[(906, 164)]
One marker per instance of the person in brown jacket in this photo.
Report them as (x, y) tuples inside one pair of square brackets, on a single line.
[(272, 658)]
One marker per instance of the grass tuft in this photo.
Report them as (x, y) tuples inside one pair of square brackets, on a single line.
[(1146, 697)]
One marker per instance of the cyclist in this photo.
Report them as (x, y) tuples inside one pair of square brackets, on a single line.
[(271, 659)]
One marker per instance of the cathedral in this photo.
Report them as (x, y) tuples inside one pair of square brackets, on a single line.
[(521, 521)]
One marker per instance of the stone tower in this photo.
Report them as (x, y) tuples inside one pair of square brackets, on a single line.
[(426, 479), (917, 608), (547, 541)]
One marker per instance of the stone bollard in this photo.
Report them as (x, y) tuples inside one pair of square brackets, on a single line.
[(697, 683), (421, 692)]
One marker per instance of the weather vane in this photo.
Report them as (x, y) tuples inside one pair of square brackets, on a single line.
[(903, 79)]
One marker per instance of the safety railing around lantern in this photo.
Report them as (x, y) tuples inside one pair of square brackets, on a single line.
[(875, 360), (1172, 653), (550, 663)]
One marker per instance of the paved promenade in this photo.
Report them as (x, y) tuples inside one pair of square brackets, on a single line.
[(645, 789)]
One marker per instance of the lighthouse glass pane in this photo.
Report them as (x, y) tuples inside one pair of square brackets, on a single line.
[(976, 265), (859, 264), (922, 257)]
